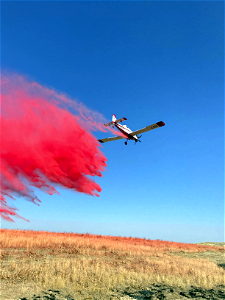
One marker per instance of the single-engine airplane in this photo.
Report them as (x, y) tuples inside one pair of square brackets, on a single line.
[(128, 134)]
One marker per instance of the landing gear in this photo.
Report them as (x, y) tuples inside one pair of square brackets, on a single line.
[(125, 143)]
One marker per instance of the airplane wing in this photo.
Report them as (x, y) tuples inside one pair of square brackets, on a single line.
[(147, 128), (119, 137)]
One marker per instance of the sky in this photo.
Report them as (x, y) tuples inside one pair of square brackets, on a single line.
[(148, 62)]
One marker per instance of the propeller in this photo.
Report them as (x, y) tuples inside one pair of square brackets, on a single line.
[(138, 139)]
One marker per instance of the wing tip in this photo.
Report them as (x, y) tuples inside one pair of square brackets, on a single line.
[(101, 141), (160, 123)]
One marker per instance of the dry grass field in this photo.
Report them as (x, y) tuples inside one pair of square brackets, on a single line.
[(103, 267)]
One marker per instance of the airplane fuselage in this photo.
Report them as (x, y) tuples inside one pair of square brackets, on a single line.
[(126, 131)]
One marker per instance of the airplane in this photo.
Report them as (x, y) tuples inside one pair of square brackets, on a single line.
[(127, 132)]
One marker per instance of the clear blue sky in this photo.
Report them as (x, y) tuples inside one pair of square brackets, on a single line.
[(148, 62)]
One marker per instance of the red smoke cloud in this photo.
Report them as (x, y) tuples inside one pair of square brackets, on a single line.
[(43, 144)]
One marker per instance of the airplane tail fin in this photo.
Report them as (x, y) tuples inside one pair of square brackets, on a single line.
[(114, 118), (115, 121)]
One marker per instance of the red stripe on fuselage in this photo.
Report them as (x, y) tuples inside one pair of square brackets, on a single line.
[(130, 137)]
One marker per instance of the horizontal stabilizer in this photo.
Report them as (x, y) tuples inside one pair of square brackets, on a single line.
[(108, 124), (120, 120), (115, 122)]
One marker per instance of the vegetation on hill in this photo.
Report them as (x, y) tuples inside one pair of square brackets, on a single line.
[(97, 266)]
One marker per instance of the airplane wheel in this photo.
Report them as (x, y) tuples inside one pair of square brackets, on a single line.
[(125, 143)]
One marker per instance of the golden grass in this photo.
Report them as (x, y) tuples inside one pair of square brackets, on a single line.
[(99, 264)]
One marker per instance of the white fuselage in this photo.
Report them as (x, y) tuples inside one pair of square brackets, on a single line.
[(126, 131)]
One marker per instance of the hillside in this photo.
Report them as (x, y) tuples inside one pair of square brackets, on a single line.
[(83, 266)]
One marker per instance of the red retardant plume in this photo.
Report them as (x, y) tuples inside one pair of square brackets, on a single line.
[(43, 144)]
